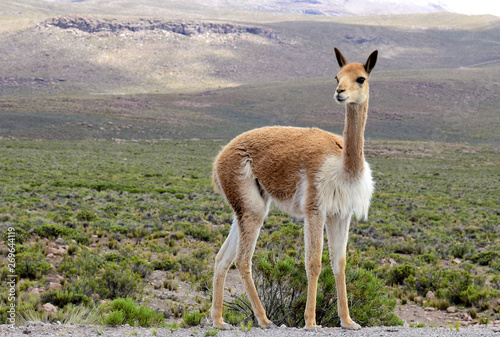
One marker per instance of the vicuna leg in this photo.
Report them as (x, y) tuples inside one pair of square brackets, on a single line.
[(337, 230), (249, 231), (313, 238), (251, 207), (223, 261)]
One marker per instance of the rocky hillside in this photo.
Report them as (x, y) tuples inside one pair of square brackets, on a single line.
[(187, 28)]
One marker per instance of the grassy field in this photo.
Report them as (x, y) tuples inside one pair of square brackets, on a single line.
[(141, 219)]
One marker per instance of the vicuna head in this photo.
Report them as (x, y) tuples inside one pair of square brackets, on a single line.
[(352, 79)]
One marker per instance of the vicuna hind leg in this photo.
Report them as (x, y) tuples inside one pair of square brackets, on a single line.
[(254, 206), (223, 261), (249, 231), (337, 230), (251, 206)]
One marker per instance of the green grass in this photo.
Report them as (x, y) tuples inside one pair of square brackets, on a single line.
[(129, 209)]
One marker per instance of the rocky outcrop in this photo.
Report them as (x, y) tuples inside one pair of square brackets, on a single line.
[(97, 25)]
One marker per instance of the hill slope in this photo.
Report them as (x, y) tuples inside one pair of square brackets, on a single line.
[(213, 73)]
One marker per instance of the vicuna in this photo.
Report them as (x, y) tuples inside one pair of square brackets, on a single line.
[(308, 173)]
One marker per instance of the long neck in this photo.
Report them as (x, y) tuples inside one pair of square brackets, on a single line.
[(352, 154)]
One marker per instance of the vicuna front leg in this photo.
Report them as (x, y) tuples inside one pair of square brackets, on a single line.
[(337, 230), (313, 238)]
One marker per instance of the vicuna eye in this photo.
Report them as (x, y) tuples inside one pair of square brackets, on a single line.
[(336, 79), (361, 80)]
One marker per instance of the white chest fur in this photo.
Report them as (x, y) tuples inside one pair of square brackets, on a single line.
[(341, 194)]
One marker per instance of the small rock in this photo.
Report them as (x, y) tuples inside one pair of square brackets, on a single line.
[(451, 310), (430, 309), (430, 295), (49, 307), (457, 261), (54, 251), (393, 263), (60, 241), (35, 291), (54, 286), (54, 279), (58, 251)]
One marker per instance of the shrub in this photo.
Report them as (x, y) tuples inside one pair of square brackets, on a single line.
[(451, 286), (484, 258), (115, 318), (369, 302), (86, 263), (166, 264), (461, 250), (133, 314), (127, 306), (61, 298), (20, 235), (233, 317), (86, 215), (282, 288), (193, 318), (147, 317), (90, 273), (429, 258), (200, 232), (399, 274), (31, 265), (116, 282), (54, 231)]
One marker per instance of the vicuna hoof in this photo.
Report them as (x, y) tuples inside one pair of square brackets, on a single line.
[(270, 325), (314, 328), (224, 326), (352, 326)]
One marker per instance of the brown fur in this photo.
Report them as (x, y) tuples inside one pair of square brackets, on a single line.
[(269, 151), (274, 163)]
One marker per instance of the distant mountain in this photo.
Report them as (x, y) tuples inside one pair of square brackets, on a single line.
[(333, 7)]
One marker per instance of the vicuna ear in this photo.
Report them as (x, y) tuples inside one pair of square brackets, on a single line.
[(340, 58), (372, 60)]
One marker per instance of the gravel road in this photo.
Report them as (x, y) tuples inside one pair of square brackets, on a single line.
[(45, 329)]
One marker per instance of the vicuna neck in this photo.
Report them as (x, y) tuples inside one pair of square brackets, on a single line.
[(352, 154)]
